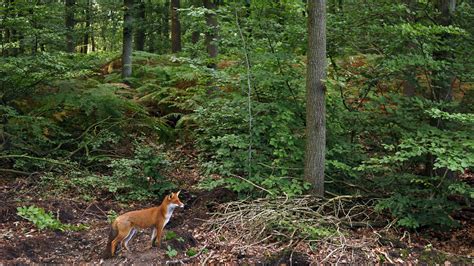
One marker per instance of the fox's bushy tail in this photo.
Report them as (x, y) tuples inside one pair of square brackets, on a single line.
[(112, 234)]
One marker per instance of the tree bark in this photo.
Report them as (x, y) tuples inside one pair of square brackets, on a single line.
[(195, 34), (212, 32), (141, 26), (195, 37), (315, 96), (88, 33), (175, 27), (127, 39), (70, 23), (442, 88), (165, 27), (442, 84)]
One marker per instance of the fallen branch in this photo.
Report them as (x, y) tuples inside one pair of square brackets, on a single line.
[(23, 156), (252, 183), (13, 171)]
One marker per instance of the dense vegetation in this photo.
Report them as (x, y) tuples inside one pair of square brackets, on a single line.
[(228, 80)]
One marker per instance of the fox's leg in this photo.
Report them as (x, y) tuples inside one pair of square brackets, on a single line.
[(129, 237), (153, 237), (120, 236), (156, 241), (123, 229)]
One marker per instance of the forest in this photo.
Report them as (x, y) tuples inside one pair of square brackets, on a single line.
[(292, 131)]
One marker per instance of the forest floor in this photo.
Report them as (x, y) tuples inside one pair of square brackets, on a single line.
[(22, 243)]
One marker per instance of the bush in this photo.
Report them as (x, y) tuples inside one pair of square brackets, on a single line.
[(139, 177), (275, 142), (415, 197)]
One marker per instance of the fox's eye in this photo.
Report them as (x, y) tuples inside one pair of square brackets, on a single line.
[(170, 196)]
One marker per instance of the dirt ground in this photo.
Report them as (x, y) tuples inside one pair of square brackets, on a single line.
[(22, 243)]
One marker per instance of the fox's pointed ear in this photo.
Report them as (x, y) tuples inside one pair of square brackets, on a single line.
[(177, 193)]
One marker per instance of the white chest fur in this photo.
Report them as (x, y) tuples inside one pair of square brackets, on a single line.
[(169, 212)]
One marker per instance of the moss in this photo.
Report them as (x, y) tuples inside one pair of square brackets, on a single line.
[(404, 253), (432, 257)]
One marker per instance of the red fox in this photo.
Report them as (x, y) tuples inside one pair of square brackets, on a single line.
[(125, 226)]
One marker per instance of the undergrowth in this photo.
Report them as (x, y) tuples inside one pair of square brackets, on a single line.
[(45, 220), (83, 132)]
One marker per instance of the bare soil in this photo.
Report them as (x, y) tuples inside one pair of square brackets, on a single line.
[(22, 243)]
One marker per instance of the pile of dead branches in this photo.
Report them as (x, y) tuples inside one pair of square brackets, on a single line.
[(291, 220)]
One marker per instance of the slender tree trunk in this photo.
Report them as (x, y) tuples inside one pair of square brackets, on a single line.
[(315, 96), (3, 32), (175, 27), (195, 37), (442, 88), (141, 26), (410, 83), (14, 31), (93, 42), (248, 9), (8, 30), (70, 23), (152, 35), (127, 39), (87, 34), (212, 32), (442, 83), (14, 37), (165, 27), (195, 34), (2, 40)]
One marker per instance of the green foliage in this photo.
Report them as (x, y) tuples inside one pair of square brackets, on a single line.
[(140, 177), (420, 209), (416, 199), (171, 252), (59, 117), (306, 230), (137, 178), (44, 220), (111, 216), (170, 235), (276, 149), (191, 252)]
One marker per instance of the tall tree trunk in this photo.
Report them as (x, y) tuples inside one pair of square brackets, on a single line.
[(14, 31), (442, 82), (127, 39), (87, 34), (93, 42), (212, 32), (409, 83), (442, 88), (195, 34), (175, 27), (141, 26), (315, 96), (165, 33), (70, 23), (8, 30)]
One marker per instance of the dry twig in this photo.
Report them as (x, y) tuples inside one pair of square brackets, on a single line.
[(294, 220)]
